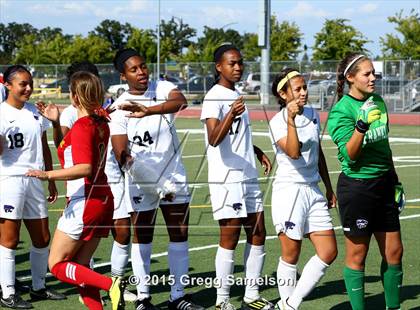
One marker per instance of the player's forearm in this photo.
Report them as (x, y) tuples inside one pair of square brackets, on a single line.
[(354, 146), (292, 148), (220, 130), (76, 172), (323, 171), (57, 134), (175, 103)]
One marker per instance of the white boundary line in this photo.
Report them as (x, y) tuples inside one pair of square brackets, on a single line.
[(206, 247)]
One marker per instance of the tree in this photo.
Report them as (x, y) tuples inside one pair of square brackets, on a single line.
[(144, 42), (175, 35), (10, 35), (336, 39), (285, 40), (114, 32), (49, 33), (408, 46), (92, 48), (218, 36), (251, 51)]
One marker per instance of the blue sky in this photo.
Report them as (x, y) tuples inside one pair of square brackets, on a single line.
[(81, 16)]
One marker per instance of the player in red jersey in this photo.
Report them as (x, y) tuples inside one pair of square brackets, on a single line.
[(88, 215)]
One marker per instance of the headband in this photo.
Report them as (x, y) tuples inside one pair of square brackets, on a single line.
[(122, 57), (352, 63), (284, 80), (222, 49)]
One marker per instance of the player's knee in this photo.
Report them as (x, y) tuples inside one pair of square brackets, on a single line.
[(290, 258), (11, 243), (122, 236), (394, 255), (329, 256)]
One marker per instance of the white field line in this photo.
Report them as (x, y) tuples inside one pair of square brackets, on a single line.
[(206, 247)]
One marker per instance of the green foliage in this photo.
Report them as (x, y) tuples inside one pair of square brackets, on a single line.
[(175, 35), (114, 32), (251, 51), (407, 45), (285, 40), (144, 42), (10, 35), (336, 39)]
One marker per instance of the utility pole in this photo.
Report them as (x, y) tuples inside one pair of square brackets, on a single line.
[(264, 42)]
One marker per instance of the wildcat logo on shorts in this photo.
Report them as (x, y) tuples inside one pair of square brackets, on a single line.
[(137, 199), (237, 206), (289, 225), (361, 223), (8, 208), (36, 117)]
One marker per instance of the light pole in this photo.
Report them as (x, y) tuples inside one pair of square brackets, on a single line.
[(158, 44)]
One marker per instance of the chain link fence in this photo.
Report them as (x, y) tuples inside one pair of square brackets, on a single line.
[(398, 81)]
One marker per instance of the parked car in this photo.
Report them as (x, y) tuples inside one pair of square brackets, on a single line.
[(197, 84), (252, 82), (108, 79)]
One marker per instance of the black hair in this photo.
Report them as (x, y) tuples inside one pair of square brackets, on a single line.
[(218, 55), (121, 56), (11, 71), (276, 81), (353, 69), (86, 66)]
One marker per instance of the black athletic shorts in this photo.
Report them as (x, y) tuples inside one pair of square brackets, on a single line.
[(367, 205)]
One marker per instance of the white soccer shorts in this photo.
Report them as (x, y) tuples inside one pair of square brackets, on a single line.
[(235, 200), (299, 209), (120, 205), (22, 198)]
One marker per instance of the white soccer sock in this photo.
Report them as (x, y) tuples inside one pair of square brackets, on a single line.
[(224, 267), (286, 278), (178, 266), (254, 256), (313, 271), (119, 258), (140, 261), (7, 274), (39, 266)]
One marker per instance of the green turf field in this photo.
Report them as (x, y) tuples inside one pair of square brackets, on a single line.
[(330, 293)]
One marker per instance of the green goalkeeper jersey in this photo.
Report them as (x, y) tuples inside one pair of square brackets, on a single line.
[(375, 158)]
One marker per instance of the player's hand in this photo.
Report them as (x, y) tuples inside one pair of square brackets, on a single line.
[(331, 199), (137, 109), (369, 112), (266, 163), (49, 111), (39, 174), (238, 106), (52, 189), (293, 108)]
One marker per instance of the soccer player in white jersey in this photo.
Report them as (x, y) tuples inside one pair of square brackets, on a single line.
[(299, 208), (148, 135), (23, 146), (234, 190), (121, 229)]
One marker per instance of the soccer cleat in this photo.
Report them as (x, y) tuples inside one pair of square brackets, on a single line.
[(225, 305), (145, 304), (21, 288), (183, 303), (259, 304), (116, 293), (46, 294), (128, 296), (15, 302)]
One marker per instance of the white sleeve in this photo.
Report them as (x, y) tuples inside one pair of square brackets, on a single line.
[(119, 123), (68, 117), (163, 88), (211, 109), (278, 127)]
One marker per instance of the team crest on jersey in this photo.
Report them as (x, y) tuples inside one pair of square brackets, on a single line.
[(289, 225), (361, 223), (8, 208), (237, 206)]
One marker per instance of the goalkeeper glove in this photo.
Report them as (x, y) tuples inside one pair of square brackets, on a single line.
[(399, 197), (368, 113)]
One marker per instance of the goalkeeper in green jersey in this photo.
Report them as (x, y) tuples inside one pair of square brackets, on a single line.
[(358, 125)]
